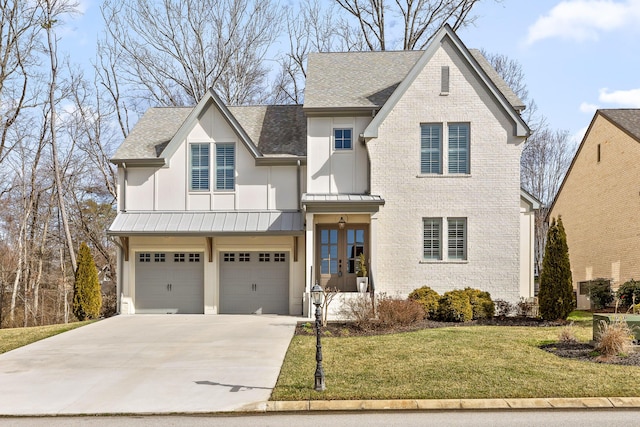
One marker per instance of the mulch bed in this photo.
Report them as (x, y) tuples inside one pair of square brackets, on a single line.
[(571, 350)]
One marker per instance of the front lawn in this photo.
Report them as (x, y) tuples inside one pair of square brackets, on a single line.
[(450, 363), (17, 337)]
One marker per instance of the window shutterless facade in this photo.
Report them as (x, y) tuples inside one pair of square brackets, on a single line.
[(342, 139), (458, 148), (455, 239), (199, 171), (432, 238), (225, 166), (430, 148)]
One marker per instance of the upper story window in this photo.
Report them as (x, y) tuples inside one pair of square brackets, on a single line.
[(431, 148), (199, 167), (459, 148), (225, 166), (342, 139)]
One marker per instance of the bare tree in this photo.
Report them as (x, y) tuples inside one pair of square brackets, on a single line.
[(546, 155), (421, 19), (174, 51)]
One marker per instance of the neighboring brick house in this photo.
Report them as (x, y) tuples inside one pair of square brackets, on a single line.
[(599, 201), (411, 158)]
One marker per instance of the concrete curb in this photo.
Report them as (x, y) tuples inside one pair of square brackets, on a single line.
[(444, 404)]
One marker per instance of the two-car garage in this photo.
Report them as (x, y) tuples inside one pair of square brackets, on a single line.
[(248, 282)]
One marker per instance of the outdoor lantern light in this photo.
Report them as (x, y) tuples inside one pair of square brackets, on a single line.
[(316, 296), (341, 223)]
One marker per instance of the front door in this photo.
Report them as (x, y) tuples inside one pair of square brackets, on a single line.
[(337, 252)]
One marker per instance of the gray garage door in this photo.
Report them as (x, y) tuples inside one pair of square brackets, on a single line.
[(254, 282), (169, 282)]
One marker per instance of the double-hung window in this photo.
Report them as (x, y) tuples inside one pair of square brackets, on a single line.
[(432, 238), (457, 238), (459, 148), (342, 139), (430, 148), (199, 179), (225, 166)]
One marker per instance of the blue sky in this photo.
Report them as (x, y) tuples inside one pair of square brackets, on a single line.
[(577, 55)]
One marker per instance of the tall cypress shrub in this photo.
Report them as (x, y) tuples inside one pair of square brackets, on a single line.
[(556, 287), (87, 296)]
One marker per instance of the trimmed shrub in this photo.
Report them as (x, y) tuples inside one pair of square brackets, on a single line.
[(627, 291), (428, 298), (556, 287), (454, 306), (600, 293), (504, 308), (481, 303), (87, 296), (399, 312)]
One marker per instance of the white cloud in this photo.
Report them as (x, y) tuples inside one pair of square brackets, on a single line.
[(624, 98), (581, 20), (585, 107)]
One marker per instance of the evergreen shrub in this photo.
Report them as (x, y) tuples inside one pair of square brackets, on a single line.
[(556, 288), (87, 296), (428, 298), (454, 306)]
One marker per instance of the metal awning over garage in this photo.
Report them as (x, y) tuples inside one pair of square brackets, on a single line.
[(207, 223)]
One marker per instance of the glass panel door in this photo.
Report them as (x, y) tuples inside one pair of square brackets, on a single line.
[(337, 255)]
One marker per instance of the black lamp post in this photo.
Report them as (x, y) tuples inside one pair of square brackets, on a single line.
[(317, 295)]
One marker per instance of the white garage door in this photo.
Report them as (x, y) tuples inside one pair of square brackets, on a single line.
[(254, 282), (169, 282)]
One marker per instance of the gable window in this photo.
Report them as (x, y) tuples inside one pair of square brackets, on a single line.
[(432, 238), (457, 238), (430, 148), (342, 139), (225, 166), (199, 167), (459, 148)]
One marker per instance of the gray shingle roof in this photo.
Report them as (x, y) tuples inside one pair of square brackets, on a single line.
[(367, 79), (152, 133), (274, 129), (355, 79), (627, 118)]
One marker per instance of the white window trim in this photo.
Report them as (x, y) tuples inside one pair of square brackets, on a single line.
[(444, 152), (190, 168), (214, 168), (333, 140), (444, 241)]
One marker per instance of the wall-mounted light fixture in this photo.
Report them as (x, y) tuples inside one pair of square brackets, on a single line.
[(341, 223)]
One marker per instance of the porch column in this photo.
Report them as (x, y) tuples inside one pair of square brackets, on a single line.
[(309, 267)]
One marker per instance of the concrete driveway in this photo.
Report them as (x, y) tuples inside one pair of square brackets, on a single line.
[(148, 364)]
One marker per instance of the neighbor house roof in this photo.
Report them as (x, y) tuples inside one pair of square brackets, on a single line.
[(268, 131), (207, 223), (627, 119)]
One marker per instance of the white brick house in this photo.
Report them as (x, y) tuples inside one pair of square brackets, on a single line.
[(411, 158)]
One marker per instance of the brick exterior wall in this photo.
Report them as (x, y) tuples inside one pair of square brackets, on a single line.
[(599, 204), (489, 197)]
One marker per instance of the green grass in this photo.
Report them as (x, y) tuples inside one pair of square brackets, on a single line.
[(450, 363), (580, 317), (17, 337)]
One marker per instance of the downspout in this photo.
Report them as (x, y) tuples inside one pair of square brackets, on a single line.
[(299, 179), (123, 189)]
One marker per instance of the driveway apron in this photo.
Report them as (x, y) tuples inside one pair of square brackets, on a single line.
[(148, 364)]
